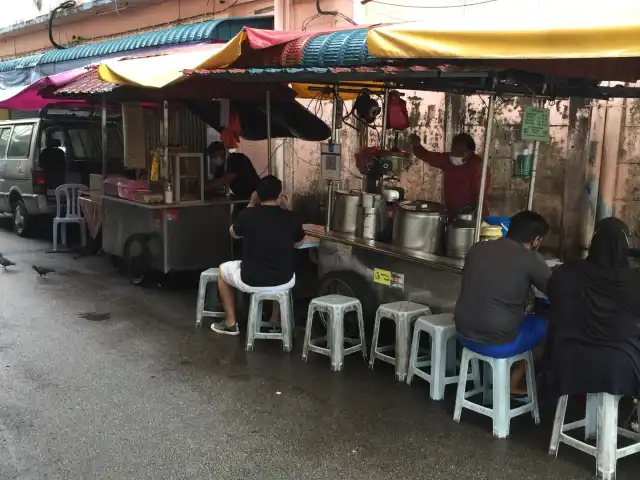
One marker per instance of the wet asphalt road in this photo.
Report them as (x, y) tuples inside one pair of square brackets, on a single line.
[(145, 395)]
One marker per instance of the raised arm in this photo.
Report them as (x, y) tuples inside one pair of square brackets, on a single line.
[(435, 159)]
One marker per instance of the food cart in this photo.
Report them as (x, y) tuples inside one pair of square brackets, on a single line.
[(378, 271), (165, 222)]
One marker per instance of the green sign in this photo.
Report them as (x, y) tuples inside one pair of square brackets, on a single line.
[(535, 124)]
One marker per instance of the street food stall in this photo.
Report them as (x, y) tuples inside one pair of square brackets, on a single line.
[(407, 257), (160, 219), (412, 261)]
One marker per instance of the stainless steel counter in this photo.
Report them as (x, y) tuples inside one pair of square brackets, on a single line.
[(191, 236), (230, 200), (434, 261)]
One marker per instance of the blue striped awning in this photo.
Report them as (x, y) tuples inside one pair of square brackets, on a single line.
[(338, 49), (213, 30)]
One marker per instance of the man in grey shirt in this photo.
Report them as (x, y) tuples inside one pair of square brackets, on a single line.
[(496, 281)]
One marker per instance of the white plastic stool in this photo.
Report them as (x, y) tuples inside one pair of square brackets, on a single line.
[(206, 277), (255, 324), (501, 411), (404, 314), (335, 307), (442, 356), (600, 423)]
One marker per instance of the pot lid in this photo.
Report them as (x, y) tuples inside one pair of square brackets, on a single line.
[(464, 221), (422, 206), (351, 193)]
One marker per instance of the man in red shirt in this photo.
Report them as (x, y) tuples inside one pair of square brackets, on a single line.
[(462, 171)]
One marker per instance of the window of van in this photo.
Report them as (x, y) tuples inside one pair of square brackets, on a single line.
[(20, 141), (5, 133)]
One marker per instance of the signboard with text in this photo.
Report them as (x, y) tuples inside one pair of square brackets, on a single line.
[(535, 124)]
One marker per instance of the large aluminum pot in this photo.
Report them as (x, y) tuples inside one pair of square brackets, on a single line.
[(460, 236), (419, 226), (345, 211)]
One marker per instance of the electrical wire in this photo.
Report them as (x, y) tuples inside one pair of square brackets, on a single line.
[(52, 16), (433, 6)]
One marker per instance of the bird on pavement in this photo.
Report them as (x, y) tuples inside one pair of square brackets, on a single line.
[(43, 271), (5, 262)]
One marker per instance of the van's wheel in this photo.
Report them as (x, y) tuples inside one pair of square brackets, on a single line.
[(351, 284), (137, 260), (21, 219)]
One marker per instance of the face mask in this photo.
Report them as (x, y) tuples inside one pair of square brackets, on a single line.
[(457, 161)]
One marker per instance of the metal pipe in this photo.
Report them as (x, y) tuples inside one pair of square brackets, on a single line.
[(165, 138), (269, 159), (485, 165), (534, 169), (383, 135), (104, 136), (334, 138)]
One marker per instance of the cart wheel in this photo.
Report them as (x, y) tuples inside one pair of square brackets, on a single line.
[(137, 260), (351, 284)]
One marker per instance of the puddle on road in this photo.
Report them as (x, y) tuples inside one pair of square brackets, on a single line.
[(94, 316)]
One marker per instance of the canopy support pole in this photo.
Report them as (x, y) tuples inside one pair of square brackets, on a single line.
[(485, 164), (334, 138), (104, 136), (383, 136), (269, 154), (165, 139)]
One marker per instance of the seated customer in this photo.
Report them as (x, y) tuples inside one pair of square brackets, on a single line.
[(496, 282), (269, 234), (593, 323)]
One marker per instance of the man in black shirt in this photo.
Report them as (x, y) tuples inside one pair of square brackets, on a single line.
[(239, 174), (269, 233)]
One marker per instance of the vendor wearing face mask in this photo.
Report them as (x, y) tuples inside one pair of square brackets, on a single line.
[(461, 169), (239, 174)]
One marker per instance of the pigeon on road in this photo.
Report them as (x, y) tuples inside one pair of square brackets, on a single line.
[(43, 271), (5, 262)]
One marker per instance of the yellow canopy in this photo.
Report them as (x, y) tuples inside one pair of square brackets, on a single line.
[(161, 70), (590, 31)]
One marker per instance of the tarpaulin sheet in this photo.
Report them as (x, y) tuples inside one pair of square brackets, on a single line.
[(586, 34), (28, 98), (161, 70)]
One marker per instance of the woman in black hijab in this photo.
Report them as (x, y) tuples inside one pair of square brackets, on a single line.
[(595, 310)]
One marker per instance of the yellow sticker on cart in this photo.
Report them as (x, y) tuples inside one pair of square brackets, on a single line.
[(383, 277)]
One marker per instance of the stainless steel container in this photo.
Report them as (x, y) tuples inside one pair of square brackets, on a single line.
[(419, 226), (460, 236), (345, 211), (368, 223)]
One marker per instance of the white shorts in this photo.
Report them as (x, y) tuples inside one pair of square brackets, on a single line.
[(230, 272)]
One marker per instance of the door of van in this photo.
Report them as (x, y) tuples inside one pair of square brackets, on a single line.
[(5, 134), (19, 159)]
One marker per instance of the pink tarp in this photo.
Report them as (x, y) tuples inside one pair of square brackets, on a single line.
[(28, 98), (259, 39)]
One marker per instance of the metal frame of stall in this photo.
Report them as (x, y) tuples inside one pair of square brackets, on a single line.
[(428, 279), (335, 80)]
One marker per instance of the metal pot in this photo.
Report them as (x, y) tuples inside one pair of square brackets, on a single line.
[(419, 226), (368, 223), (460, 236), (345, 211)]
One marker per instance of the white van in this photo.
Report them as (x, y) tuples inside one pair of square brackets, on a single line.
[(27, 185)]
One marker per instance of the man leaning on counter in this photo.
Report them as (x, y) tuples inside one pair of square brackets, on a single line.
[(462, 172)]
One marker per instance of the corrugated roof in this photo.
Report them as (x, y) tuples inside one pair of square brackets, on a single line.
[(213, 30), (88, 83), (337, 49)]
